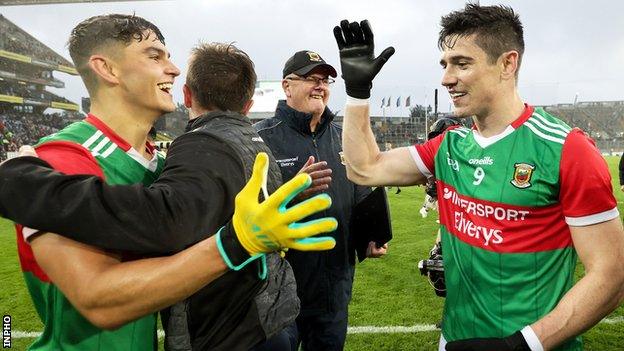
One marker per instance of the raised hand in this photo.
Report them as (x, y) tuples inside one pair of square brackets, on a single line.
[(321, 177), (268, 226), (357, 57)]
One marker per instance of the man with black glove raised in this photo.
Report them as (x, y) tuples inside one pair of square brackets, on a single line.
[(511, 192), (302, 131)]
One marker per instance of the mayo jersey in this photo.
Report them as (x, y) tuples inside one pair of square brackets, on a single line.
[(506, 204), (86, 147)]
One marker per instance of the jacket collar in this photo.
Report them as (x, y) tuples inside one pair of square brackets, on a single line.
[(208, 116), (300, 121)]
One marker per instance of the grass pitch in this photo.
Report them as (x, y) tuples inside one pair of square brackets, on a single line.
[(387, 291)]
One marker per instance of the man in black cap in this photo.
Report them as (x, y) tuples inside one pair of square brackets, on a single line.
[(300, 133)]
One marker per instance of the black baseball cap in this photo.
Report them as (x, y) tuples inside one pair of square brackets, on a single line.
[(304, 61)]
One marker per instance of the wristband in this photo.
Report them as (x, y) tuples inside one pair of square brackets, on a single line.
[(228, 261), (531, 339), (351, 101)]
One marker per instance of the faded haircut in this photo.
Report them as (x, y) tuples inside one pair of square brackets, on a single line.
[(99, 32)]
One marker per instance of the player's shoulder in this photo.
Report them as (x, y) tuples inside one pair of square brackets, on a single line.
[(456, 132), (546, 127), (68, 157), (77, 132)]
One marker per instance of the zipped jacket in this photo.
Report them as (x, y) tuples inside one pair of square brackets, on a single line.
[(324, 279)]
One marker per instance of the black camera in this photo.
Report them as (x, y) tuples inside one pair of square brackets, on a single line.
[(433, 268)]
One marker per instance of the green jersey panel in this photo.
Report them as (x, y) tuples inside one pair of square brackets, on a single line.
[(508, 254), (65, 328)]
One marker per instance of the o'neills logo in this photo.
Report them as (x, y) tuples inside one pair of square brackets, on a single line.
[(486, 161), (522, 175)]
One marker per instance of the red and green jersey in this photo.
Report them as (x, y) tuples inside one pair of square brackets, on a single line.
[(86, 147), (506, 204)]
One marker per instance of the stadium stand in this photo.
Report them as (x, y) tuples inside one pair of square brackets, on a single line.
[(602, 120), (27, 67), (14, 39)]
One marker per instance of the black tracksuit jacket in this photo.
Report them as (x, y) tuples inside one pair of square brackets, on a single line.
[(324, 279), (193, 197)]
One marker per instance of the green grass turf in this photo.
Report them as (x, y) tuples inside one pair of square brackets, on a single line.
[(387, 291)]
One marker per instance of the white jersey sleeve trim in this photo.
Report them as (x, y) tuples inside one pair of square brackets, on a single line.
[(419, 162), (531, 339), (28, 232), (593, 219)]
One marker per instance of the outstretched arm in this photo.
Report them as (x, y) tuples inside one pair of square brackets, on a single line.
[(110, 293), (366, 164), (193, 197)]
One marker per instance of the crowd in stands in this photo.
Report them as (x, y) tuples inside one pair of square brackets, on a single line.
[(25, 92), (601, 120), (9, 65), (14, 90), (399, 133), (20, 128), (24, 70)]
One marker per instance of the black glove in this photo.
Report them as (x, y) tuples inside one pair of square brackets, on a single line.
[(514, 342), (357, 57)]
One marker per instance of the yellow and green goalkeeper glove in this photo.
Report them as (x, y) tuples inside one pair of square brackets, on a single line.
[(268, 226)]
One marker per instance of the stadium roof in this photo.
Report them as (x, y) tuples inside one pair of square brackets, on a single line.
[(45, 2)]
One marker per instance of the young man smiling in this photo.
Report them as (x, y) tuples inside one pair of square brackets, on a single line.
[(78, 289), (124, 71), (511, 227)]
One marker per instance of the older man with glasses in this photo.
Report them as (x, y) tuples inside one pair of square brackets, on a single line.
[(303, 137)]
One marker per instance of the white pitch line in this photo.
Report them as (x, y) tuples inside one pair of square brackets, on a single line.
[(391, 329), (419, 328), (18, 334), (614, 320)]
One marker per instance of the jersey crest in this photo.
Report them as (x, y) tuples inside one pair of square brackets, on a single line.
[(522, 175)]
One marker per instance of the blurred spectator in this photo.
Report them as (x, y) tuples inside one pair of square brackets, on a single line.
[(19, 128)]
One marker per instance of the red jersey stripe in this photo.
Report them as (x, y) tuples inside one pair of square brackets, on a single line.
[(501, 227)]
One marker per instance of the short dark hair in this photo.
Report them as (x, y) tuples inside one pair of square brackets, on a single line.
[(221, 77), (99, 31), (498, 29)]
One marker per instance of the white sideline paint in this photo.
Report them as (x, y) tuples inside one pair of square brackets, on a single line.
[(419, 328), (392, 329)]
